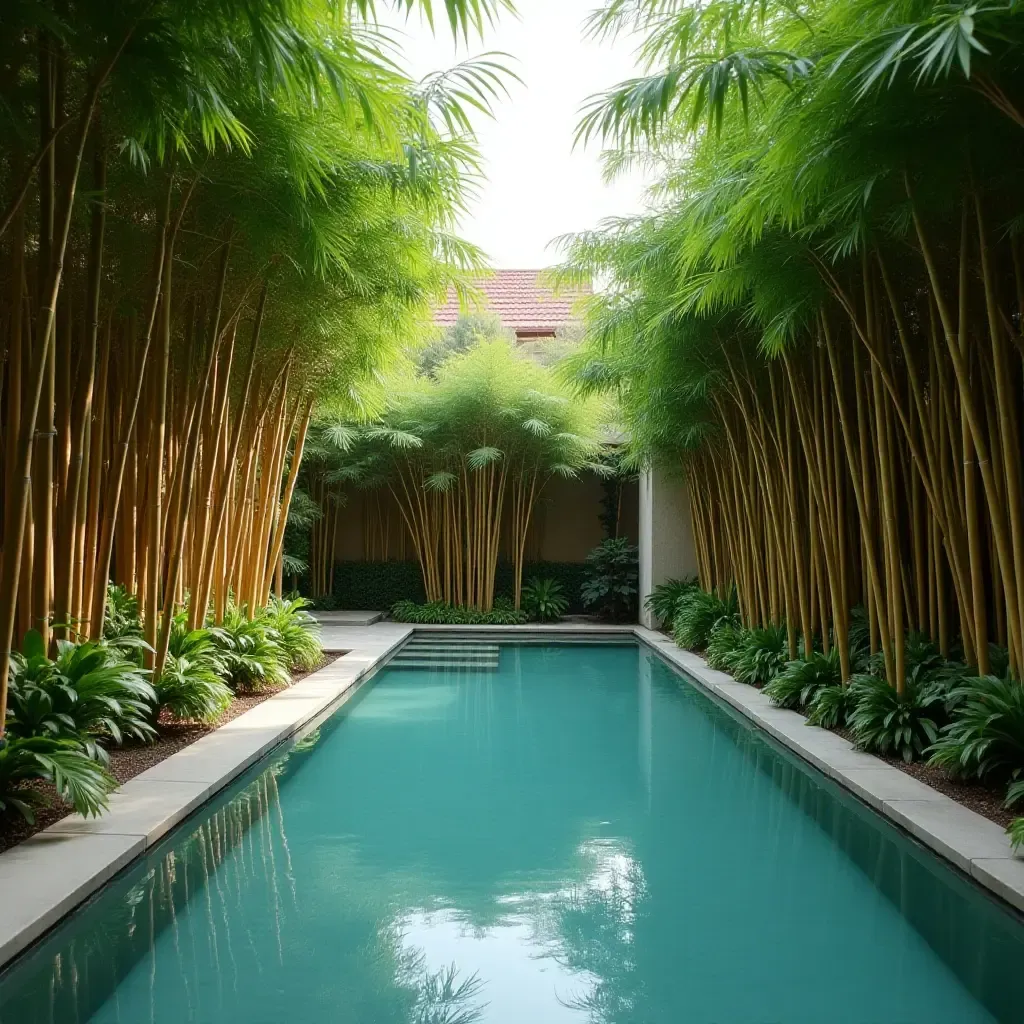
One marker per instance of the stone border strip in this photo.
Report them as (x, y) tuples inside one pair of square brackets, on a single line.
[(972, 843), (48, 875)]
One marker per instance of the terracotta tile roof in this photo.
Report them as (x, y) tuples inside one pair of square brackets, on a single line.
[(518, 297)]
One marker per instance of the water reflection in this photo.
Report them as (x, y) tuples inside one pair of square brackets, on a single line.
[(575, 838)]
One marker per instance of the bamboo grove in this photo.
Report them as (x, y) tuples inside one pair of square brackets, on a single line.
[(463, 454), (216, 218), (822, 322)]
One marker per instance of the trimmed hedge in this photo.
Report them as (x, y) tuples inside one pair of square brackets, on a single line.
[(378, 586)]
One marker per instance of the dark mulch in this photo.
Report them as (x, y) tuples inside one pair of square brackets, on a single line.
[(128, 761), (986, 802)]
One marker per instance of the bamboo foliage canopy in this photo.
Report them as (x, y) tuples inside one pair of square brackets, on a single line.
[(466, 453), (215, 217), (822, 321)]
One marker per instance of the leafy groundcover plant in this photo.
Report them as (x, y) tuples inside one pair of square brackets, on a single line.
[(699, 612), (543, 600), (886, 722), (437, 613), (800, 681), (297, 632), (663, 601), (78, 779), (249, 650), (723, 643), (760, 654), (1016, 833), (190, 688), (87, 693), (985, 739)]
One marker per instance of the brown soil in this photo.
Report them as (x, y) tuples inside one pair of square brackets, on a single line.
[(973, 795), (128, 761)]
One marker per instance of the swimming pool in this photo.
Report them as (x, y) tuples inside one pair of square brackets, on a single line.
[(573, 833)]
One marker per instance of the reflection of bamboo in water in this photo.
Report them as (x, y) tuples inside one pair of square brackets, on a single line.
[(152, 948), (289, 873), (218, 820), (85, 971), (201, 836), (265, 821), (169, 876)]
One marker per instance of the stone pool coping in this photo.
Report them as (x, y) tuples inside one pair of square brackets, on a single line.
[(45, 877)]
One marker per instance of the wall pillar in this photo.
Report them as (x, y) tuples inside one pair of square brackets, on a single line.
[(667, 548)]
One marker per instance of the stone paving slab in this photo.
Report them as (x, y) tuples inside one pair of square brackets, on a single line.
[(1005, 877), (142, 808), (45, 877), (977, 846)]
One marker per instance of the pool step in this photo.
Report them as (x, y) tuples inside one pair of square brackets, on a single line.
[(422, 653)]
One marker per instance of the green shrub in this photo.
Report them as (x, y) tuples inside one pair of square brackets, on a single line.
[(832, 706), (921, 656), (121, 619), (699, 613), (87, 693), (612, 579), (760, 654), (249, 651), (190, 688), (189, 691), (437, 613), (298, 633), (78, 778), (1016, 833), (800, 681), (375, 586), (723, 644), (663, 600), (883, 722), (543, 600), (985, 739)]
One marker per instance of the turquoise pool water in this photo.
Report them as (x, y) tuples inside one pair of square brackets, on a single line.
[(579, 836)]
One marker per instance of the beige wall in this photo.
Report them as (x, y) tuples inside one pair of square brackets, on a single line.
[(667, 547), (566, 524)]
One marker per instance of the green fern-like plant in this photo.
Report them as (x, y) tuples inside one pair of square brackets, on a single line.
[(799, 682), (723, 644), (78, 778), (249, 650), (1015, 831), (884, 721), (699, 612), (760, 655), (543, 600), (831, 706), (88, 693), (297, 632), (663, 601), (985, 739)]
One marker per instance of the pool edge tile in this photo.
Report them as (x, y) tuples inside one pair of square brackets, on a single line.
[(50, 876)]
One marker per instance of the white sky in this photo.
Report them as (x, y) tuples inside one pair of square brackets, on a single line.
[(537, 187)]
